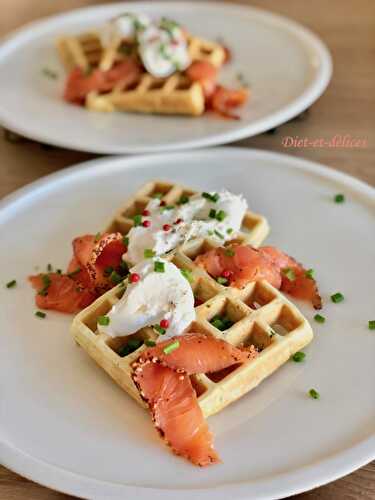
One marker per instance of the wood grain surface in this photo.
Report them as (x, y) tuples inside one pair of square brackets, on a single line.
[(346, 108)]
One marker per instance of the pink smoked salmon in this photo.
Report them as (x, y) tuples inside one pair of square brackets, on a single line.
[(87, 276), (164, 383), (241, 264)]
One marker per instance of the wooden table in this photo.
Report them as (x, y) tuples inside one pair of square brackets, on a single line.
[(347, 107)]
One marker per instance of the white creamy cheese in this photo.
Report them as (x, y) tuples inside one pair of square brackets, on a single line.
[(162, 47), (194, 221), (156, 296)]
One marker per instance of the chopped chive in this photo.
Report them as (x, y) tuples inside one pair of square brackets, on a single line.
[(157, 195), (167, 207), (74, 273), (40, 314), (159, 267), (319, 318), (123, 269), (107, 271), (125, 241), (149, 253), (46, 282), (221, 236), (272, 332), (210, 233), (171, 347), (298, 357), (229, 230), (103, 320), (314, 394), (186, 273), (97, 237), (131, 346), (49, 73), (212, 213), (310, 274), (159, 329), (11, 284), (211, 197), (59, 271), (289, 273), (137, 220), (220, 216), (49, 268), (221, 322), (150, 343), (183, 199), (339, 198), (229, 252), (221, 280), (337, 297), (115, 277), (371, 325)]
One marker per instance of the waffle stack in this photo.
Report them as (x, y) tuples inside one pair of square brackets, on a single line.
[(173, 95), (260, 315), (254, 229)]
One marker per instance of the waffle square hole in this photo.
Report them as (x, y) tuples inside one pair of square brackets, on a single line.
[(185, 196), (135, 208), (157, 85), (92, 319), (249, 223), (203, 291), (257, 337), (159, 190), (285, 322), (221, 374), (123, 346), (259, 296), (198, 385), (195, 248), (206, 51), (224, 314), (183, 85)]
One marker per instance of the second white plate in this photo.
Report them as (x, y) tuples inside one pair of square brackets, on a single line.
[(286, 66)]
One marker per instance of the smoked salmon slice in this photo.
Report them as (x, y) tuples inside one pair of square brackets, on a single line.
[(162, 378), (242, 264), (96, 266)]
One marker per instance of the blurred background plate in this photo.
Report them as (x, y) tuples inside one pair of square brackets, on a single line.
[(286, 66)]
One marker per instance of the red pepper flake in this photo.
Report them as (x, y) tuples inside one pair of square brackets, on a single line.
[(178, 221), (146, 223), (146, 212), (167, 227), (197, 302), (226, 273), (134, 277), (164, 323)]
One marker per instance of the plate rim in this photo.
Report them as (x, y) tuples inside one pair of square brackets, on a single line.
[(309, 95), (289, 483)]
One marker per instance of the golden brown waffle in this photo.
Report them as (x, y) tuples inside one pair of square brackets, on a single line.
[(262, 317), (172, 95), (254, 229)]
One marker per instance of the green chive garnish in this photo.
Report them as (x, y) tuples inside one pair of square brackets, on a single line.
[(46, 282), (49, 268), (183, 199), (40, 314), (137, 220), (222, 280), (371, 325), (131, 346), (221, 322), (159, 329), (337, 297), (108, 271), (103, 320), (97, 237), (314, 394), (220, 216), (221, 236), (211, 197), (149, 253), (49, 73), (298, 357), (229, 230), (59, 271), (212, 213), (74, 273), (159, 267), (115, 277), (186, 273), (125, 241), (229, 252), (289, 273), (171, 347), (210, 233), (157, 195), (11, 284), (310, 274), (150, 343), (339, 198), (319, 318)]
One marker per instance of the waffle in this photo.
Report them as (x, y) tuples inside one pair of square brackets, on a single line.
[(173, 95), (262, 317), (254, 229)]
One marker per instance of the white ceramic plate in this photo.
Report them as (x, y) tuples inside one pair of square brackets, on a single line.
[(287, 66), (65, 424)]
